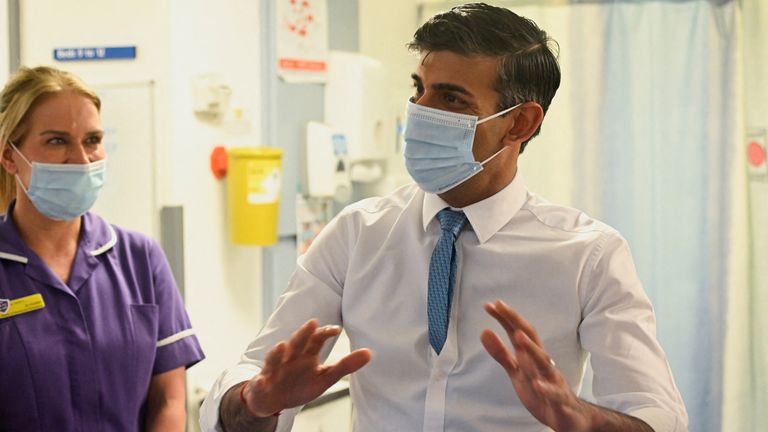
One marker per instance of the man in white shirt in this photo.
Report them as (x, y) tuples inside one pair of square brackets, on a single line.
[(419, 278)]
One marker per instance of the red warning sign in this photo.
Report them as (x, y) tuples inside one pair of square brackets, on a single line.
[(302, 40)]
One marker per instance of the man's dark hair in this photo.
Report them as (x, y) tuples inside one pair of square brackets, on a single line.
[(527, 68)]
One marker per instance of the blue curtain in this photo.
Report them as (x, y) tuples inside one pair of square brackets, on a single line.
[(666, 87)]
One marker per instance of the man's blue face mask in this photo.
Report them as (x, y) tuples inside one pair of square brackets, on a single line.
[(64, 191), (438, 147)]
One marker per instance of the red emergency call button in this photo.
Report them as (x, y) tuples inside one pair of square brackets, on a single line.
[(755, 154), (219, 162)]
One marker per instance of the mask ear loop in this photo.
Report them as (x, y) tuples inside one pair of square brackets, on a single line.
[(19, 152), (491, 117), (493, 155), (500, 113), (18, 179)]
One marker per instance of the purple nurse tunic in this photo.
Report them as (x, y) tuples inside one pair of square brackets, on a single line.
[(84, 361)]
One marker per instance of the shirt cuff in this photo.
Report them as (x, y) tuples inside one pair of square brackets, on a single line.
[(660, 420), (209, 411)]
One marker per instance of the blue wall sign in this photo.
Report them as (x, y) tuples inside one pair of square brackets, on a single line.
[(94, 53)]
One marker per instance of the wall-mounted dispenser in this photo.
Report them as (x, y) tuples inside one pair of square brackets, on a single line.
[(328, 164), (354, 95), (210, 97)]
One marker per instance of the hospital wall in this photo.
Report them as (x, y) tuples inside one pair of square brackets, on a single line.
[(180, 40), (176, 41)]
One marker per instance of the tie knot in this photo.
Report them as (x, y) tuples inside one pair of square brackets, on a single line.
[(452, 221)]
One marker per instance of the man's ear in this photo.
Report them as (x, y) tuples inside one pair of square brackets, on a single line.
[(6, 158), (528, 117)]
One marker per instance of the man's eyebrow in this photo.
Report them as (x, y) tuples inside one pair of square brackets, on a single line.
[(452, 87), (444, 86)]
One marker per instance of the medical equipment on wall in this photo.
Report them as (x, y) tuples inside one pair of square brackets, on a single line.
[(327, 163), (210, 97), (253, 194), (312, 214), (355, 105)]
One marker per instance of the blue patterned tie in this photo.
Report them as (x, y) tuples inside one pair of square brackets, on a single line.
[(442, 274)]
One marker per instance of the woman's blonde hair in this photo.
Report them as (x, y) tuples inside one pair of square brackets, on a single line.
[(25, 87)]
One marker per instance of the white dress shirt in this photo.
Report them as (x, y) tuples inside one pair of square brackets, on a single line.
[(569, 275)]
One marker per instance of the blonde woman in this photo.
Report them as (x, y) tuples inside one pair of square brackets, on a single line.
[(93, 333)]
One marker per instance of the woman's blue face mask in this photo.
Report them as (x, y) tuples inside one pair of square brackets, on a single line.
[(438, 147), (64, 191)]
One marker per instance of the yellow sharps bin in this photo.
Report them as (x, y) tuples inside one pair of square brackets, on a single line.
[(254, 176)]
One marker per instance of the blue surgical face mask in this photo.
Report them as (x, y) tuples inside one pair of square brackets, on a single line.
[(438, 147), (64, 191)]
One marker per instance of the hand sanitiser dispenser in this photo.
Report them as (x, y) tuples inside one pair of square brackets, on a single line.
[(355, 105), (327, 164)]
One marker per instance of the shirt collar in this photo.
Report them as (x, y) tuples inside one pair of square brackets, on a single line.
[(488, 216), (97, 236), (12, 247)]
